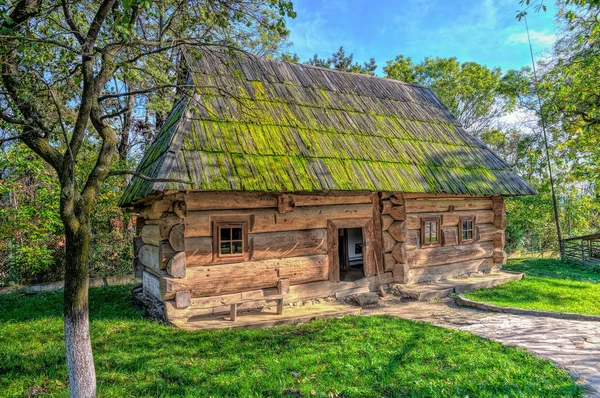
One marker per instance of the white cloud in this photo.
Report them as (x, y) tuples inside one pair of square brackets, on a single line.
[(541, 38)]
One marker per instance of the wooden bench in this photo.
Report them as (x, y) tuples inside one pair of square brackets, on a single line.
[(234, 304)]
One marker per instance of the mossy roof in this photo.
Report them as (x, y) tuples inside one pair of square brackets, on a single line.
[(253, 124)]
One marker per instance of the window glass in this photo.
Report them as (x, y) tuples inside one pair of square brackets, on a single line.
[(231, 240)]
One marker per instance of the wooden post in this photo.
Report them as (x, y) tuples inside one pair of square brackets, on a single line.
[(233, 312), (280, 306)]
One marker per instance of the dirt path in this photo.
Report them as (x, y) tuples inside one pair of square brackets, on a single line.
[(574, 345)]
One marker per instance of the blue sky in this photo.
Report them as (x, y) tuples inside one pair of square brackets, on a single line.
[(484, 31)]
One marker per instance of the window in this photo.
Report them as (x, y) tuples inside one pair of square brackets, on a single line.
[(430, 231), (230, 241), (467, 230)]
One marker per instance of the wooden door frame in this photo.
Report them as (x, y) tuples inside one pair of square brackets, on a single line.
[(332, 245)]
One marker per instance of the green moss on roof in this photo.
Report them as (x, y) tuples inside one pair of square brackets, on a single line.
[(260, 125)]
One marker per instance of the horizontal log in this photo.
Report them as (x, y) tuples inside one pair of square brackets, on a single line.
[(229, 200), (386, 206), (149, 256), (450, 219), (151, 234), (485, 232), (263, 246), (176, 265), (445, 271), (176, 237), (440, 196), (443, 205), (326, 289), (271, 245), (251, 275), (197, 223), (325, 200), (448, 254)]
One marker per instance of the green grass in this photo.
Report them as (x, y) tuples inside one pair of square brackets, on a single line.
[(349, 357), (549, 285)]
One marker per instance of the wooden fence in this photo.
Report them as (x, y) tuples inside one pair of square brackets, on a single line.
[(584, 250)]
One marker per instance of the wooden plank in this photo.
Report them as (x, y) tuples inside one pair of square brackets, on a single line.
[(177, 238), (283, 286), (450, 236), (229, 200), (149, 256), (440, 196), (151, 285), (151, 234), (198, 251), (325, 200), (443, 205), (413, 238), (448, 254), (376, 235), (413, 221), (197, 223), (250, 275), (271, 245), (332, 252), (176, 265), (445, 271)]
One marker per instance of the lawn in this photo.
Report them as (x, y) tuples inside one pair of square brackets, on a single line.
[(549, 285), (349, 357)]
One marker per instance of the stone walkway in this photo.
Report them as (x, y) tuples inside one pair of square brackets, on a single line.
[(574, 345)]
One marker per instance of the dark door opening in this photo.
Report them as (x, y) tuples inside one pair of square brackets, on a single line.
[(350, 251)]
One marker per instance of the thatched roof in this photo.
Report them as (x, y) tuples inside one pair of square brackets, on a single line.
[(254, 124)]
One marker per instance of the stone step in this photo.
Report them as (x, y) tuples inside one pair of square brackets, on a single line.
[(428, 291)]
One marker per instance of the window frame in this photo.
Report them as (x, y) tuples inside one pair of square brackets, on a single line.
[(461, 220), (217, 225), (437, 220)]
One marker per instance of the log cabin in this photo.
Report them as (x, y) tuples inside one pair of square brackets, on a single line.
[(279, 182)]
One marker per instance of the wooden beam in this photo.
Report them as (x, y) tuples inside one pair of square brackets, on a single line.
[(176, 265), (177, 237), (198, 223), (448, 254), (250, 275), (149, 256)]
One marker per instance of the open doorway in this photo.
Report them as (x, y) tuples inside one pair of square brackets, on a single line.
[(350, 252)]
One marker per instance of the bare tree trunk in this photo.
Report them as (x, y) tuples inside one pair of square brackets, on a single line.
[(80, 360)]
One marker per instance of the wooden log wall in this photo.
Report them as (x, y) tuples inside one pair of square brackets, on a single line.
[(412, 263), (287, 241), (287, 245)]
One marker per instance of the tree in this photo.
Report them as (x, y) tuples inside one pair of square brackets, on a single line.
[(340, 61), (66, 66), (475, 94)]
